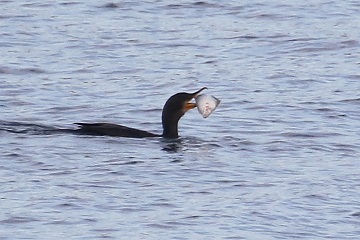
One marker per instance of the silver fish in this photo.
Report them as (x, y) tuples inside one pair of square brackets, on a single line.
[(206, 104)]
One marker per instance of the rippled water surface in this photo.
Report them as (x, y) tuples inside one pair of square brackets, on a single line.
[(278, 159)]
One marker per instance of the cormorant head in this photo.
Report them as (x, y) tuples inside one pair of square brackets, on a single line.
[(175, 107)]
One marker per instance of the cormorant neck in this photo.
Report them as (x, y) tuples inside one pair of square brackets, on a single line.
[(170, 127)]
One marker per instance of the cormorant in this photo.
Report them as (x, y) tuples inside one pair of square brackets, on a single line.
[(175, 107)]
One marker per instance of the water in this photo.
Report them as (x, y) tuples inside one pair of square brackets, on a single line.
[(278, 159)]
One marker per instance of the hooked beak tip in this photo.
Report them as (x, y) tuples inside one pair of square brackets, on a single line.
[(198, 92)]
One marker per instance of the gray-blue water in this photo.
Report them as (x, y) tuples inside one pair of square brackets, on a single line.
[(278, 159)]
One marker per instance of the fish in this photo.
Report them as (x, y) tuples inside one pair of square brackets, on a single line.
[(206, 104)]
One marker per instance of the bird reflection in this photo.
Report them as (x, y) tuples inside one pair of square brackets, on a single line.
[(172, 146)]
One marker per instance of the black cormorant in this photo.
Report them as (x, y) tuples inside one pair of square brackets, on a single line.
[(175, 107)]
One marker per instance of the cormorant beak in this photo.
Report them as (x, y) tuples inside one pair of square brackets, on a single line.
[(190, 105)]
